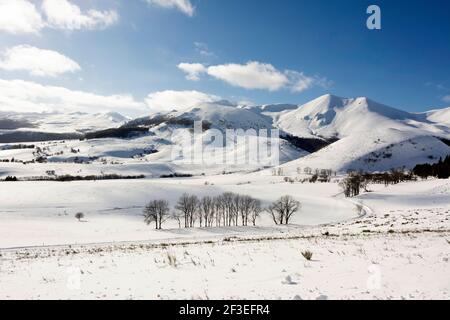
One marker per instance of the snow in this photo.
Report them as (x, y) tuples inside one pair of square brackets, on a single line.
[(440, 116), (113, 209), (355, 259), (224, 116), (389, 243), (330, 116), (380, 151), (373, 137)]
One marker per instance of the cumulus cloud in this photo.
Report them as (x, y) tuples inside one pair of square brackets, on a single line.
[(22, 16), (184, 6), (255, 75), (37, 62), (19, 16), (168, 100), (62, 14), (27, 96), (192, 70)]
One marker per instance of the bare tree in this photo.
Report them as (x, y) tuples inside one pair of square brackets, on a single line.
[(79, 216), (227, 200), (283, 209), (291, 206), (249, 208), (178, 216), (276, 212), (236, 208), (206, 211), (245, 203), (219, 210), (156, 211), (255, 210), (188, 205)]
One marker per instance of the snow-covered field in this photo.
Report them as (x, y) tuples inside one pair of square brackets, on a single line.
[(400, 249), (44, 212)]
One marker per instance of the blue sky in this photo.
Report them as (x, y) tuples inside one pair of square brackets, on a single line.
[(305, 48)]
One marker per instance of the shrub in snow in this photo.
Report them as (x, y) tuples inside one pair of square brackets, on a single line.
[(307, 255), (171, 259), (288, 280)]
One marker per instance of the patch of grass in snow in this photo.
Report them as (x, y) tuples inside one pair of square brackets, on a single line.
[(171, 259), (307, 255)]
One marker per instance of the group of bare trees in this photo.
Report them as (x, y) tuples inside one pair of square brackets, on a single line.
[(156, 211), (283, 209), (224, 210), (353, 183), (227, 209)]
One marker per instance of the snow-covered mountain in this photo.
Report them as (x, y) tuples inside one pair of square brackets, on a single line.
[(440, 116), (371, 136), (353, 133), (224, 115), (331, 116)]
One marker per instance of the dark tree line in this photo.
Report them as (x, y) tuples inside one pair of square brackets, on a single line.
[(352, 184), (439, 170), (357, 181)]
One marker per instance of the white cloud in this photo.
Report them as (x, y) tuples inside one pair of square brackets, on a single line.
[(446, 98), (62, 14), (184, 6), (22, 16), (19, 16), (301, 82), (26, 96), (36, 61), (255, 75), (169, 100), (192, 70)]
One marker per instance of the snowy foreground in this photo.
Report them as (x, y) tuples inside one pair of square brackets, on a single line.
[(396, 247)]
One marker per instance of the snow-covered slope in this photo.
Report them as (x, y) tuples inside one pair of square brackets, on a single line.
[(331, 116), (223, 115), (440, 116), (371, 136), (374, 151)]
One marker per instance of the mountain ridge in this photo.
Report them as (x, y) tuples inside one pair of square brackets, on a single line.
[(337, 133)]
